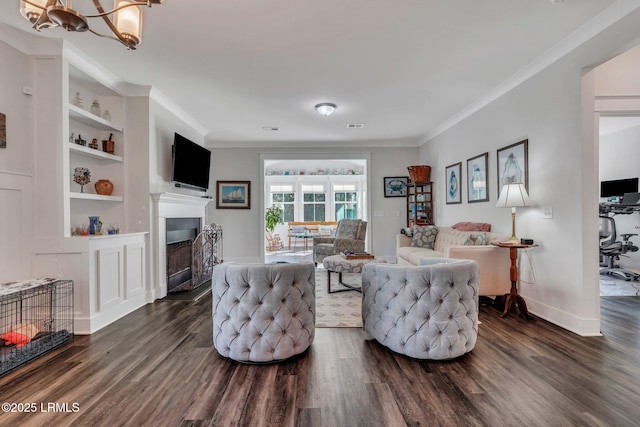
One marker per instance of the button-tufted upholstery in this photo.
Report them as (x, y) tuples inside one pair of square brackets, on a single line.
[(426, 311), (263, 313)]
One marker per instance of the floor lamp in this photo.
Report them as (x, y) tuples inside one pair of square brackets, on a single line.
[(513, 196)]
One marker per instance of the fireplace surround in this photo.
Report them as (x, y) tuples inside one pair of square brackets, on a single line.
[(167, 206)]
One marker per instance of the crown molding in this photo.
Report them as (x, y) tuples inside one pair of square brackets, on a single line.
[(175, 109), (596, 25)]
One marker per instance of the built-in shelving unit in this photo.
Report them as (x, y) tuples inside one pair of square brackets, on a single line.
[(87, 196), (96, 154), (80, 115), (82, 202)]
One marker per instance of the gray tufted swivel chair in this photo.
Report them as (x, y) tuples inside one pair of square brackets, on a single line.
[(425, 311), (263, 313)]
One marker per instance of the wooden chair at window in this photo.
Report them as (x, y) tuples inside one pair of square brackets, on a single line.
[(274, 243)]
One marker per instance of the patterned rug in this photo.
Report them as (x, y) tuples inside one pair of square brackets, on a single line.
[(341, 309)]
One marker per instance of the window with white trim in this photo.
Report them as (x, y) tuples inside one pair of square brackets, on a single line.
[(314, 202), (284, 195), (345, 201)]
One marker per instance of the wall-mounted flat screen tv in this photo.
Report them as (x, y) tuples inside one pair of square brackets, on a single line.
[(191, 164), (618, 187)]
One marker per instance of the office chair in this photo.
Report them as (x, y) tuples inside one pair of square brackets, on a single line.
[(612, 249)]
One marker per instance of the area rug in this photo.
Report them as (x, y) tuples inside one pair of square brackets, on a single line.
[(340, 309)]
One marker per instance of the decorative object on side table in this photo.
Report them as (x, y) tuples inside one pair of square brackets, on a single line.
[(395, 186), (104, 187), (82, 176), (512, 196)]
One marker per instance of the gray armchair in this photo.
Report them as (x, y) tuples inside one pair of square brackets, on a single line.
[(350, 236), (263, 312), (425, 312)]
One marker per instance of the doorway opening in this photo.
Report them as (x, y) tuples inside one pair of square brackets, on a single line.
[(314, 194)]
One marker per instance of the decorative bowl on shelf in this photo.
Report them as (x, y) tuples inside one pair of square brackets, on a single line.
[(104, 187)]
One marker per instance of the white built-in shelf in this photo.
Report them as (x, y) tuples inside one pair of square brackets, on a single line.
[(91, 152), (83, 116), (89, 196)]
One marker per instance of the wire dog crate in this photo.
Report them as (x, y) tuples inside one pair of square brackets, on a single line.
[(35, 316)]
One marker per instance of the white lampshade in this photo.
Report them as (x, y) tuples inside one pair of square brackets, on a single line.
[(30, 12), (128, 21), (513, 195), (326, 108)]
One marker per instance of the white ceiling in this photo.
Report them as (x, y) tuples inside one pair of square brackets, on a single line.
[(402, 68)]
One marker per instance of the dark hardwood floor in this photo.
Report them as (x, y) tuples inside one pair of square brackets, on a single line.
[(157, 367)]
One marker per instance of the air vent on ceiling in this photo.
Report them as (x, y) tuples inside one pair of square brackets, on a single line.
[(355, 125), (270, 128)]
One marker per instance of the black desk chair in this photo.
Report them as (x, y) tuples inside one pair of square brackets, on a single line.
[(612, 249)]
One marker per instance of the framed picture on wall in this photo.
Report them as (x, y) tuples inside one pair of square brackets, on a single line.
[(477, 188), (395, 186), (233, 194), (453, 182), (513, 165)]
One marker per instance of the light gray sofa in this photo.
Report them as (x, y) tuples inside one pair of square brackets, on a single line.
[(263, 313), (426, 311), (493, 261)]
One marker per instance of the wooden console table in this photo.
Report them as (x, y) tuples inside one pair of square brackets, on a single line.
[(513, 297)]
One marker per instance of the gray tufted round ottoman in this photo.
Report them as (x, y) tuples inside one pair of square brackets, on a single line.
[(263, 313), (426, 311)]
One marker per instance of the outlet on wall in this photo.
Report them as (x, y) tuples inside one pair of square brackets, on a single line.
[(547, 212)]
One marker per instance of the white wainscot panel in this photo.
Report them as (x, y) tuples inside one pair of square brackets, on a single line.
[(134, 269), (110, 277)]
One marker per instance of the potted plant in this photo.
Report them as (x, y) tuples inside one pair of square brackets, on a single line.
[(273, 217)]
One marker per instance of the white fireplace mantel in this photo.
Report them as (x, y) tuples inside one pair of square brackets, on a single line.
[(170, 205)]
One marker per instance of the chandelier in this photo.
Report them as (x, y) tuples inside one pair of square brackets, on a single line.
[(126, 25)]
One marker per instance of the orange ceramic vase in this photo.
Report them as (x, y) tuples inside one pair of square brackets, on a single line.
[(104, 187)]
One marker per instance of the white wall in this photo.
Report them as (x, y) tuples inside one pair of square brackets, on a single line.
[(16, 168), (164, 122), (243, 229), (619, 76), (548, 110)]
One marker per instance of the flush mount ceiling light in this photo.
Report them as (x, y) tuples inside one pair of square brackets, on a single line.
[(126, 25), (326, 108)]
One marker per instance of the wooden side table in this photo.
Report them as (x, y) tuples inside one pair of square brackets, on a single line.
[(513, 297)]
